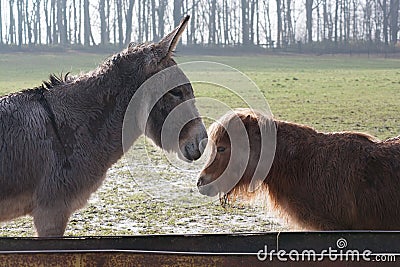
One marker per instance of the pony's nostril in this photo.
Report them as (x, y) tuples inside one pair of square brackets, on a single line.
[(200, 181)]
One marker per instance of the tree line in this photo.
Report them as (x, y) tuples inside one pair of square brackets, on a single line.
[(262, 23)]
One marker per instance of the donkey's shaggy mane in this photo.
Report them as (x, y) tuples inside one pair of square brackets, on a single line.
[(55, 80)]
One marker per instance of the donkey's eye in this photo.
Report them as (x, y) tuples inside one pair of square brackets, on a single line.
[(177, 93), (220, 149)]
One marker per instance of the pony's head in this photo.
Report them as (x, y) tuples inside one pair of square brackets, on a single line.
[(165, 99), (230, 172)]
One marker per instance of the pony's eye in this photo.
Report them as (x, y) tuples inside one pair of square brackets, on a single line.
[(220, 149), (176, 92)]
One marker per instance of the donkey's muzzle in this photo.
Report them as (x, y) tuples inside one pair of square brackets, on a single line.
[(193, 150), (193, 146)]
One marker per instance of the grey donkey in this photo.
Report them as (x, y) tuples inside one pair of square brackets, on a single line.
[(58, 140)]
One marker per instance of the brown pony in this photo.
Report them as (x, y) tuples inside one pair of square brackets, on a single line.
[(320, 181)]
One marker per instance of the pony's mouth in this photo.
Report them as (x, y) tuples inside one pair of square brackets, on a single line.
[(207, 188), (208, 191)]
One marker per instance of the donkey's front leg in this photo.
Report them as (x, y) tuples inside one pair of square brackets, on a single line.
[(51, 221)]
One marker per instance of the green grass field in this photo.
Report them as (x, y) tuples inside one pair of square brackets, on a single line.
[(330, 93)]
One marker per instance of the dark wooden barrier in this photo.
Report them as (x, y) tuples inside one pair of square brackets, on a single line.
[(358, 248)]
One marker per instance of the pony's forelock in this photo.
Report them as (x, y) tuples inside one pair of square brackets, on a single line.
[(217, 130)]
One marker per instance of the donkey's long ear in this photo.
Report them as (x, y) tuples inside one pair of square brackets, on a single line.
[(168, 44)]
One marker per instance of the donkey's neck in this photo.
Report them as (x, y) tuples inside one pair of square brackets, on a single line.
[(95, 104), (108, 82)]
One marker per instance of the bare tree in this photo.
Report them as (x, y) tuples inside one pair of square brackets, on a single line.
[(20, 7), (48, 21), (103, 23), (1, 24), (37, 29), (153, 19), (245, 22), (355, 20), (27, 24), (128, 19), (235, 22), (118, 4), (211, 24), (75, 22), (267, 23), (251, 20), (257, 22), (80, 22), (309, 22), (11, 26), (225, 16), (177, 12), (289, 24), (69, 24), (377, 22), (161, 13), (394, 20), (325, 16), (219, 25), (139, 21), (191, 9), (86, 23), (385, 15), (108, 16), (62, 20), (367, 10), (345, 20), (228, 22), (64, 34), (279, 21), (53, 22), (336, 21), (145, 28)]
